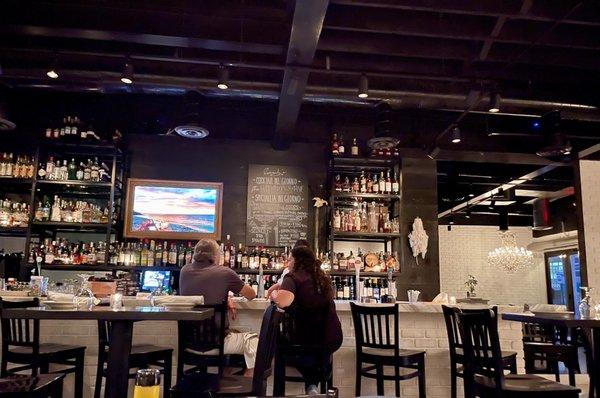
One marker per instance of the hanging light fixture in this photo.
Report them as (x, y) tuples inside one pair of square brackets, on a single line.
[(456, 135), (223, 82), (52, 72), (495, 102), (508, 257), (541, 215), (127, 75), (363, 86)]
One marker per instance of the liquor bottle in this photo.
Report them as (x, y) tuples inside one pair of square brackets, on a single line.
[(376, 289), (395, 185), (354, 148), (239, 256), (150, 254), (72, 170), (355, 185), (335, 145), (346, 186), (55, 212), (388, 183), (346, 291), (375, 184), (49, 168), (337, 220), (254, 285), (358, 261), (172, 259), (64, 171), (382, 183), (232, 256), (363, 182), (337, 186), (264, 259), (87, 171), (343, 262), (339, 291), (341, 147), (189, 253), (351, 262), (9, 165), (165, 254), (227, 251), (94, 172), (80, 171)]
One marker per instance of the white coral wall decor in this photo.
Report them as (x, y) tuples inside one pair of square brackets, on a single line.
[(418, 239)]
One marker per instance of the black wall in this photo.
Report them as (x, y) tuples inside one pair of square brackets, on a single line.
[(226, 161)]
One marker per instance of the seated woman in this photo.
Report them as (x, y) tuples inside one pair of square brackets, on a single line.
[(307, 295)]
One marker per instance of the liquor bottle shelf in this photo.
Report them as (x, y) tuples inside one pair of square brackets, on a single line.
[(15, 181), (13, 231), (353, 195), (78, 183), (366, 274), (102, 267), (71, 226), (364, 236)]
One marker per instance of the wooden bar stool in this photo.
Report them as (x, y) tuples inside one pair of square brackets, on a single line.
[(201, 344), (140, 357), (484, 369), (21, 345), (40, 386), (378, 348), (199, 385), (455, 346)]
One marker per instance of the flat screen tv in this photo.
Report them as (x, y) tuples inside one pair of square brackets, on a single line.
[(160, 209)]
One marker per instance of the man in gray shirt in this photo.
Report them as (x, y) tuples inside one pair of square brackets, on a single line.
[(206, 277)]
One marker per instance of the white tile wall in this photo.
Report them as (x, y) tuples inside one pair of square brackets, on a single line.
[(464, 251), (589, 171)]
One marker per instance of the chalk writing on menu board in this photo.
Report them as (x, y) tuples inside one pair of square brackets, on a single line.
[(277, 205)]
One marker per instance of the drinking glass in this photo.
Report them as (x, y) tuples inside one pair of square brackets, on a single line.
[(158, 291), (84, 298), (147, 384)]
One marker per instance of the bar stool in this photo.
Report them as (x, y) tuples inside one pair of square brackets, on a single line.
[(484, 369), (21, 345), (141, 357), (289, 354), (209, 385), (455, 346), (40, 386), (550, 346), (378, 348), (201, 344)]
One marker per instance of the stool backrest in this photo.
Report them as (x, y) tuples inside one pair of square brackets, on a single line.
[(20, 332), (372, 326), (452, 330), (267, 343), (206, 335), (481, 345)]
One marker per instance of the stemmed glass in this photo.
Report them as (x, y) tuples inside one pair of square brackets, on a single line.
[(158, 291), (84, 298)]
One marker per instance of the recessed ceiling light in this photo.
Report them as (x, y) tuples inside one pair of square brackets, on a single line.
[(223, 82), (494, 103), (363, 86), (456, 135), (52, 74), (127, 75)]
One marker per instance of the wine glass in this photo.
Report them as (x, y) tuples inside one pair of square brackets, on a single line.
[(158, 291), (84, 298)]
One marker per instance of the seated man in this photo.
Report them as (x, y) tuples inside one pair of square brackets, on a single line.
[(206, 277)]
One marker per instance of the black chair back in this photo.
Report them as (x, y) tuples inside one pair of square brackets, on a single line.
[(372, 326), (481, 345), (267, 343), (454, 340), (20, 332), (206, 335)]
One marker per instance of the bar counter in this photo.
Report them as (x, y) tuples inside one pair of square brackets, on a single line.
[(421, 325)]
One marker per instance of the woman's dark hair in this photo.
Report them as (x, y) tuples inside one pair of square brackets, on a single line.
[(301, 243), (305, 260)]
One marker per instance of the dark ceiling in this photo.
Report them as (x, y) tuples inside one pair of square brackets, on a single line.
[(436, 62)]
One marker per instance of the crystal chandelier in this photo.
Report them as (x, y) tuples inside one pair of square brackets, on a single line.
[(509, 257)]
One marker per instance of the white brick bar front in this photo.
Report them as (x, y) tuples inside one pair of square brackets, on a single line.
[(421, 327)]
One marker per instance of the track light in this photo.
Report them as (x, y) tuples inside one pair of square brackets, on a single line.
[(363, 86), (494, 103), (451, 220), (223, 82), (468, 213), (456, 135), (127, 75), (492, 204)]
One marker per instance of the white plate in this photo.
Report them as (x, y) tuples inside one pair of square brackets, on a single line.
[(60, 305)]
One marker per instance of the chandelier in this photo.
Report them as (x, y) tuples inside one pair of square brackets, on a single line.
[(509, 257)]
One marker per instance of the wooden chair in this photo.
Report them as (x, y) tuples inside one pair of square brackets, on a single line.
[(484, 369), (40, 386), (289, 353), (378, 348), (141, 356), (455, 346), (200, 344), (549, 346), (209, 385), (21, 345)]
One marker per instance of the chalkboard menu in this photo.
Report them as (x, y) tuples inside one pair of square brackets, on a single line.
[(277, 205)]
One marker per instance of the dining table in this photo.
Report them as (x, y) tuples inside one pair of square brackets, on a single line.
[(121, 332), (590, 327)]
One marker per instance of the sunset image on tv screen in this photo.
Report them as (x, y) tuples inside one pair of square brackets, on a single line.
[(173, 209)]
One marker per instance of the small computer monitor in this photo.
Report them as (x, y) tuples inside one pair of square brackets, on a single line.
[(151, 279)]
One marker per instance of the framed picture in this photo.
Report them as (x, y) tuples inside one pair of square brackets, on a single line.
[(180, 210)]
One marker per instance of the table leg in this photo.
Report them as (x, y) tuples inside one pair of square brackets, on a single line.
[(118, 359)]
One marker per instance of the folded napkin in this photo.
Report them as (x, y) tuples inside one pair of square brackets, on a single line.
[(441, 298), (66, 297), (195, 300)]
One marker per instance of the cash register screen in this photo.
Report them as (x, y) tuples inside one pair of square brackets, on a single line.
[(150, 280)]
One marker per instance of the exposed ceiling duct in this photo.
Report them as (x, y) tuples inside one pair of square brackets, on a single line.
[(559, 148), (384, 136)]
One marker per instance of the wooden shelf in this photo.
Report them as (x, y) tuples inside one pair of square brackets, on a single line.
[(13, 231), (101, 267), (71, 226), (75, 183), (364, 236)]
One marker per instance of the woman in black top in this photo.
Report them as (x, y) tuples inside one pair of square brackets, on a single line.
[(307, 295)]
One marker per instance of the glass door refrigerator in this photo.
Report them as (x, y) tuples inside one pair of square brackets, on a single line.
[(563, 278)]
